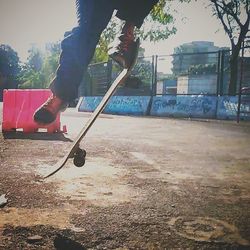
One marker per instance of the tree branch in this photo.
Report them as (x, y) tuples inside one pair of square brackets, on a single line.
[(230, 11), (247, 8), (217, 6), (229, 24)]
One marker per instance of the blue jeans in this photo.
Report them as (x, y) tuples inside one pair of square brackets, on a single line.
[(78, 47)]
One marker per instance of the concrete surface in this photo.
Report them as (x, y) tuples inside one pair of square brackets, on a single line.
[(148, 183)]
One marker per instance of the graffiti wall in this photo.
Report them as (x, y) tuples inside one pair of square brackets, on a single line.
[(126, 105), (228, 105), (89, 103), (195, 106), (184, 106)]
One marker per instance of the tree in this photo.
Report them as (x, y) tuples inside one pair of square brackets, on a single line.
[(235, 17), (31, 75), (9, 68), (202, 69), (51, 60), (9, 64), (41, 67), (35, 59)]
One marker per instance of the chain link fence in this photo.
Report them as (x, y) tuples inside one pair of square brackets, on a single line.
[(99, 77), (187, 74), (203, 73)]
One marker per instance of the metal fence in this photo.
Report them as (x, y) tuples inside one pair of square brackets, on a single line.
[(99, 77), (205, 73)]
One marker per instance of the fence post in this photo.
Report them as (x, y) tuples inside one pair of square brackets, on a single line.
[(222, 72), (152, 86), (218, 73), (109, 73), (91, 89), (241, 80), (155, 75)]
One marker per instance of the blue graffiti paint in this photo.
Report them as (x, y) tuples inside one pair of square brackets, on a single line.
[(130, 105), (89, 104), (224, 107), (228, 106), (184, 106)]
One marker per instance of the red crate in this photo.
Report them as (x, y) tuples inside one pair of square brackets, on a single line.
[(19, 107)]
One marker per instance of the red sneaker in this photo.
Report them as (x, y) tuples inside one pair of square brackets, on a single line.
[(47, 113), (124, 53)]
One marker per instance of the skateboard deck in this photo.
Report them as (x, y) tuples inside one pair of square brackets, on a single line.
[(74, 150)]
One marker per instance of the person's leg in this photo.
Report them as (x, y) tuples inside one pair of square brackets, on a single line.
[(77, 51), (133, 13), (79, 47)]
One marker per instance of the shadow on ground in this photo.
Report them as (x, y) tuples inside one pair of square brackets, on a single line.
[(39, 236), (64, 243), (36, 136)]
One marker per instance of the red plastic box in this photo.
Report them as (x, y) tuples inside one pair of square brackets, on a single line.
[(19, 107)]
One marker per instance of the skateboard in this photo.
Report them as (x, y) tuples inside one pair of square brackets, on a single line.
[(75, 151)]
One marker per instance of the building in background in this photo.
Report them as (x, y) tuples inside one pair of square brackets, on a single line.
[(194, 69), (188, 55)]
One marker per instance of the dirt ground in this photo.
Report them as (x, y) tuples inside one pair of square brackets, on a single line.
[(148, 183)]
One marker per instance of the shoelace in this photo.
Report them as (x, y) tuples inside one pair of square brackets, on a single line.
[(126, 41)]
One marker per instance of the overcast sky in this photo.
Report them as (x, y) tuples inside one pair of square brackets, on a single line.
[(23, 22)]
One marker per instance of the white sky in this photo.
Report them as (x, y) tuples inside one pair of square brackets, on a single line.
[(23, 22)]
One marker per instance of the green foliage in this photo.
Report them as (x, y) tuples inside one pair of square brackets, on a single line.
[(101, 52), (9, 63), (202, 69), (234, 16), (31, 78), (40, 69), (160, 22), (143, 70), (35, 59), (51, 61)]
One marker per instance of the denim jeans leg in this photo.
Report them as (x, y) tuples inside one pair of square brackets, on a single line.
[(78, 48)]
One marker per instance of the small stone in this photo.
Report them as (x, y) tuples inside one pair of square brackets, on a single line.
[(3, 200), (34, 238), (172, 205), (108, 193)]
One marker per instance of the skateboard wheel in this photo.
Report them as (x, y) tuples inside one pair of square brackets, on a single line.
[(79, 160)]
